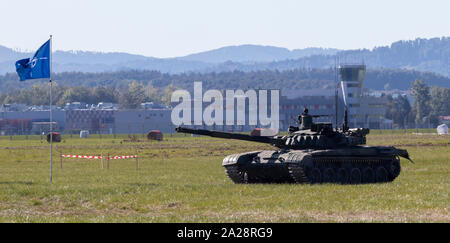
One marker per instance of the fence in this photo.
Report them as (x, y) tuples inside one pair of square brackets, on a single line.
[(116, 129)]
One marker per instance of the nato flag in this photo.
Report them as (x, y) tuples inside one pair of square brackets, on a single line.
[(38, 66)]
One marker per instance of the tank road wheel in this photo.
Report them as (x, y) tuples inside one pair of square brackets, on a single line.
[(342, 175), (394, 169), (297, 173), (368, 175), (381, 174), (316, 176), (329, 175), (245, 177), (355, 176)]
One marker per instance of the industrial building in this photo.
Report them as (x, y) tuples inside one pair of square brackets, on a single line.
[(15, 120)]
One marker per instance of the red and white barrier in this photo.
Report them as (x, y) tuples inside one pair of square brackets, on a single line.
[(108, 158), (98, 157), (81, 156), (123, 157)]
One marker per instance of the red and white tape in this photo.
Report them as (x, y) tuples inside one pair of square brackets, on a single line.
[(98, 157), (123, 157), (81, 156)]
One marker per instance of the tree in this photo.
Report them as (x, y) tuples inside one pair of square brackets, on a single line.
[(18, 97), (105, 94), (39, 94), (168, 94), (133, 97), (153, 93), (421, 107), (439, 104), (398, 109), (76, 94), (440, 100)]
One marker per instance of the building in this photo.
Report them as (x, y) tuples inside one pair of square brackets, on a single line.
[(26, 121), (96, 121), (142, 121), (352, 80), (103, 118), (317, 105), (363, 110)]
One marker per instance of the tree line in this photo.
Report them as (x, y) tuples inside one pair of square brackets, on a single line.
[(429, 104), (127, 98), (378, 79)]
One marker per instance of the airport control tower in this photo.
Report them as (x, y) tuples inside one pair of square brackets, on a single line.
[(352, 80)]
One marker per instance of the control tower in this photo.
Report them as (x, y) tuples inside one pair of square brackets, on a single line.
[(352, 80)]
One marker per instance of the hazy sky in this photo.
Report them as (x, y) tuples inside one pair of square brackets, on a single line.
[(169, 28)]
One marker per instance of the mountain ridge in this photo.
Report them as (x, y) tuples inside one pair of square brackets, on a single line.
[(431, 55)]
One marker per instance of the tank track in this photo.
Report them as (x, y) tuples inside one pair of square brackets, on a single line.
[(235, 174), (324, 170), (251, 174), (353, 170)]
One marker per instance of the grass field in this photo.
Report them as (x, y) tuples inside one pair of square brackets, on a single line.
[(181, 180)]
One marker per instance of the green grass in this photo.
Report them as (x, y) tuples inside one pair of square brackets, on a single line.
[(181, 180)]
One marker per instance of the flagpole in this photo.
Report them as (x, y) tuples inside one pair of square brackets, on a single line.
[(51, 118)]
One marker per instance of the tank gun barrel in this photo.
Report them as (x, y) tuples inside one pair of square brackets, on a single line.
[(229, 135)]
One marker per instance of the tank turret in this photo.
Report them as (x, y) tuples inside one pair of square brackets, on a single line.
[(309, 135), (320, 135)]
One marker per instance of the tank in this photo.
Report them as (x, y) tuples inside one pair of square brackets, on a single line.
[(311, 153)]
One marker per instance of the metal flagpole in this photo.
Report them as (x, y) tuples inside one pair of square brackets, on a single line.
[(51, 118), (336, 91)]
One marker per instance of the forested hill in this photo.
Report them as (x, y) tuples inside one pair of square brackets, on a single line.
[(255, 53), (432, 55), (378, 79)]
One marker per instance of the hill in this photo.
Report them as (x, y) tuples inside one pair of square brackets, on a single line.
[(431, 55), (254, 53)]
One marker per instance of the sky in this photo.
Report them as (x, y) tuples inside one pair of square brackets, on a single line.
[(169, 28)]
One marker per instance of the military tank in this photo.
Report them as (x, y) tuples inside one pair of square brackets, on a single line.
[(311, 153)]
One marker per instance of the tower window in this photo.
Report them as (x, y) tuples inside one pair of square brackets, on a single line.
[(353, 85)]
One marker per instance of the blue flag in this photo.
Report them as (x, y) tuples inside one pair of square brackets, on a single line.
[(38, 66)]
